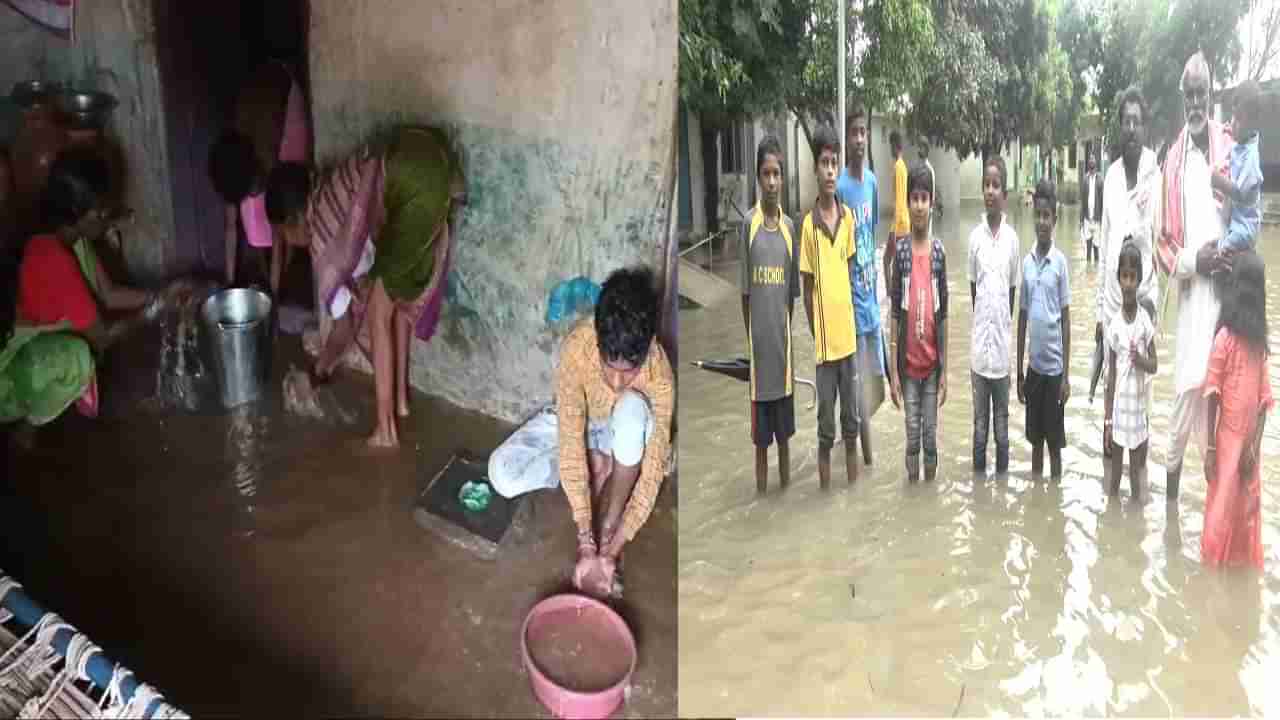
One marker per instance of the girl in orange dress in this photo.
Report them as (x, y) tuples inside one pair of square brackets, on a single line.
[(1238, 390)]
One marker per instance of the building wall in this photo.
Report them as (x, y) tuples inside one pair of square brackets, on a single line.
[(696, 189), (735, 187), (27, 52), (805, 170), (564, 120), (114, 51), (882, 152), (958, 180), (969, 173)]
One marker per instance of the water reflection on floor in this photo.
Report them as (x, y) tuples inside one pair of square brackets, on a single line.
[(978, 595), (251, 562)]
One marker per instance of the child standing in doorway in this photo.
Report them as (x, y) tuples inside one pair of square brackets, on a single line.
[(1046, 311), (826, 251), (770, 285), (919, 328), (1132, 351)]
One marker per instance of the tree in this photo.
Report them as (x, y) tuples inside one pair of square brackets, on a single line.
[(1205, 25), (954, 106), (1261, 40), (970, 74), (1123, 30), (992, 77), (755, 57), (1079, 34), (736, 56), (1148, 42), (897, 35)]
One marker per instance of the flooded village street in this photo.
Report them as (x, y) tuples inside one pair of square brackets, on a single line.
[(974, 595)]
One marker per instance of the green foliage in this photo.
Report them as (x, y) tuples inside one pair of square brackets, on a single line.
[(954, 106), (751, 57), (732, 59), (1148, 42), (995, 74), (972, 75), (899, 33), (1079, 34)]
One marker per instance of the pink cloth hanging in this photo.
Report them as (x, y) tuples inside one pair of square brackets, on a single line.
[(253, 215), (295, 143), (295, 146)]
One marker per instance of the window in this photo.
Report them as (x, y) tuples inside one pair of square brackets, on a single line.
[(732, 158)]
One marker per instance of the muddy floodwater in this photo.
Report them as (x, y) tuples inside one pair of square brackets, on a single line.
[(973, 595), (253, 563)]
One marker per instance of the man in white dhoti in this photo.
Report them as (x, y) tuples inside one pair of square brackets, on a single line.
[(1192, 212)]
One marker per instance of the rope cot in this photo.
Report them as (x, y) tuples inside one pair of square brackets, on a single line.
[(52, 669)]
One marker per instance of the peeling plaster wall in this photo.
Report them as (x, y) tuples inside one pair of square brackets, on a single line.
[(563, 114), (115, 51)]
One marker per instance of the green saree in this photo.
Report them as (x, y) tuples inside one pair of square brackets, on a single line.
[(45, 369)]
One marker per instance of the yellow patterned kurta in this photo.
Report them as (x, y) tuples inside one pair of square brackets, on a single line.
[(581, 395)]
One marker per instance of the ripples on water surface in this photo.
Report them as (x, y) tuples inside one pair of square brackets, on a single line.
[(973, 595)]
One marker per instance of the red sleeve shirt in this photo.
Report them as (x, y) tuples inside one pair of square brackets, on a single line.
[(51, 287)]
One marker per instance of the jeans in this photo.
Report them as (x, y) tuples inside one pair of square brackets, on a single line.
[(921, 400), (988, 396)]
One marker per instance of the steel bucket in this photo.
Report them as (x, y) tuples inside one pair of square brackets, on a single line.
[(237, 325)]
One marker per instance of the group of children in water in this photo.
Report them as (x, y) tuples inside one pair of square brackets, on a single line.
[(831, 264)]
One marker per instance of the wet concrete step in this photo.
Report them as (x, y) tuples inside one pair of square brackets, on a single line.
[(701, 286)]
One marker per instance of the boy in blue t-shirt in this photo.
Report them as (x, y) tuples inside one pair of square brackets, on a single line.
[(857, 189), (1045, 315)]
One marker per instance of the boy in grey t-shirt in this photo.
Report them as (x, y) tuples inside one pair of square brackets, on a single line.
[(770, 285)]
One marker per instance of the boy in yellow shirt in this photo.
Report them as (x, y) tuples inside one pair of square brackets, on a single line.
[(901, 227), (826, 251)]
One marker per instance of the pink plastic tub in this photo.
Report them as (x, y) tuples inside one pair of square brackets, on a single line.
[(579, 654)]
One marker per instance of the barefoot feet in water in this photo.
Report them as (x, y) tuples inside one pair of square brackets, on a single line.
[(384, 436)]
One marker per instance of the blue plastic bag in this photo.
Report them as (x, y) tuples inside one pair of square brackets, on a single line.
[(570, 298), (559, 304)]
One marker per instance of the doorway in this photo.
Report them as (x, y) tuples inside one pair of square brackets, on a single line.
[(205, 52)]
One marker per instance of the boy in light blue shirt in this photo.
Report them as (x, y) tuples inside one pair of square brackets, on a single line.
[(857, 188), (1045, 315), (1244, 189)]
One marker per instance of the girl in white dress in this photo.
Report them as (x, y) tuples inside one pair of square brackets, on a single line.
[(1132, 350)]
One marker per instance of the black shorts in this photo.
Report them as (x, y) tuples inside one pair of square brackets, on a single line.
[(1045, 415), (773, 418)]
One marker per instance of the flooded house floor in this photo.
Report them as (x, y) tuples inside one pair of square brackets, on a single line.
[(253, 562)]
